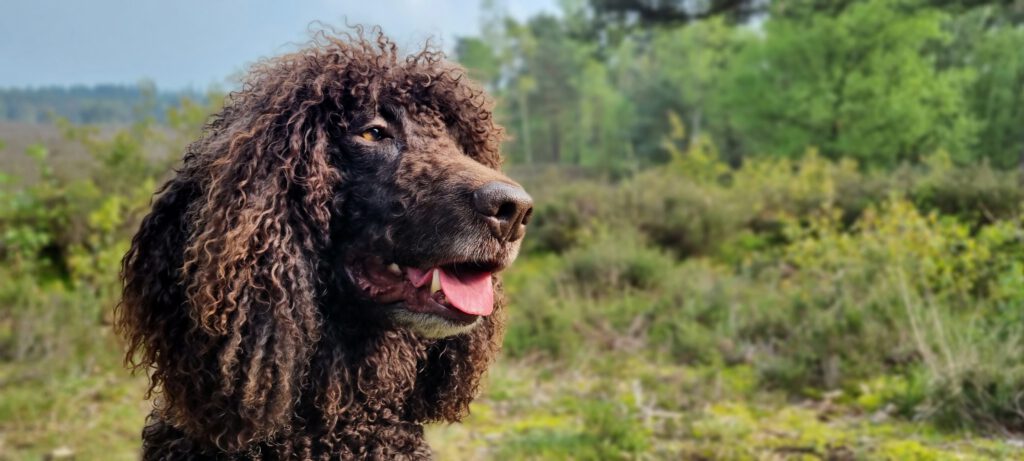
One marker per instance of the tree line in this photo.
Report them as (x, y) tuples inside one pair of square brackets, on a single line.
[(107, 103), (883, 82)]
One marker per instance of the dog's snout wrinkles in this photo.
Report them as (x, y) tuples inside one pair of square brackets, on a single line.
[(506, 207)]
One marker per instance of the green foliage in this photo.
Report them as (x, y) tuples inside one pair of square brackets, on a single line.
[(677, 71), (881, 81), (976, 193), (816, 209), (569, 216), (613, 264), (814, 273), (807, 277), (621, 407), (62, 237), (479, 58), (988, 41), (857, 84)]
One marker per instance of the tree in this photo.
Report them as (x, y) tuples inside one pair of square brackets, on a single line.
[(675, 11), (997, 97), (544, 62), (989, 41), (858, 84), (480, 60), (677, 70)]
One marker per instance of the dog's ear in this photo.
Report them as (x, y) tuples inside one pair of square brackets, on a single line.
[(219, 282)]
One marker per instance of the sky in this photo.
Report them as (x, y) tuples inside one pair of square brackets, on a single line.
[(193, 44)]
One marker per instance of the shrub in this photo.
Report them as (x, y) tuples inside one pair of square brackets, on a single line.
[(679, 215), (564, 301), (568, 217), (977, 194), (842, 288), (614, 264), (62, 236)]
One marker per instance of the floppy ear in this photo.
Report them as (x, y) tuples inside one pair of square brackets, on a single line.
[(219, 282)]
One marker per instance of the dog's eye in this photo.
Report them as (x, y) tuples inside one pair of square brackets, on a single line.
[(373, 134)]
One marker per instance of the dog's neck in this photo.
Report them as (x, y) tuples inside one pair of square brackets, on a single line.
[(358, 408)]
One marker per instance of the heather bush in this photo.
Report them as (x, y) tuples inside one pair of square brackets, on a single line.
[(816, 274)]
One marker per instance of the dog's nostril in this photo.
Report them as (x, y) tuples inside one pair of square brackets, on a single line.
[(507, 208)]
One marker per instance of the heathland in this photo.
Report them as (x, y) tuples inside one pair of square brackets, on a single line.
[(786, 233)]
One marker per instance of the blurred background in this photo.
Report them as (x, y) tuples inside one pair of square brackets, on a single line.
[(786, 229)]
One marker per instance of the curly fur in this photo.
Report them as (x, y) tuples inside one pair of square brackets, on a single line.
[(233, 301)]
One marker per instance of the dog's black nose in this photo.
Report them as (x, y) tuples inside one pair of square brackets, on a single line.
[(506, 207)]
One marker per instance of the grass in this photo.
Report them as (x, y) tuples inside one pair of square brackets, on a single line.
[(543, 411), (98, 415), (603, 407)]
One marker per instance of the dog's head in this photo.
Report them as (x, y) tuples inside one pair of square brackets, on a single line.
[(423, 217), (387, 169), (343, 190)]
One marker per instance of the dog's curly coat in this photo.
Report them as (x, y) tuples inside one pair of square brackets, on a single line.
[(249, 289)]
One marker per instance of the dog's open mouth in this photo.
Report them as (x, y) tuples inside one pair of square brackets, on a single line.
[(459, 292)]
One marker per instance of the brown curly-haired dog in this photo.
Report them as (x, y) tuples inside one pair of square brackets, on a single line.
[(318, 279)]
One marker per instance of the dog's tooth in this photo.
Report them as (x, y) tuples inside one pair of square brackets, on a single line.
[(394, 269), (435, 282)]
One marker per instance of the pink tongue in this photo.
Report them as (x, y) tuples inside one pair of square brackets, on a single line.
[(470, 293)]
